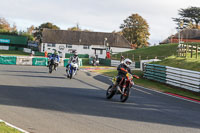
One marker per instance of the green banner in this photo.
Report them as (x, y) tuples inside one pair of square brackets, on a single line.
[(9, 60), (39, 61), (65, 62), (105, 62)]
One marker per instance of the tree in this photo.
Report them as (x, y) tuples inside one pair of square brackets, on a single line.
[(30, 30), (136, 30), (49, 25), (14, 28), (75, 28), (190, 16), (4, 25), (38, 30)]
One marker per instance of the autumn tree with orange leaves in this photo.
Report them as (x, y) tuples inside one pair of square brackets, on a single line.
[(136, 30)]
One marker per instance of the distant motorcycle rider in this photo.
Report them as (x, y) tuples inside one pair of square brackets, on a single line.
[(74, 59), (122, 69), (55, 57)]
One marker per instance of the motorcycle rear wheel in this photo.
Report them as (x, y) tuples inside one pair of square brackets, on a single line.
[(110, 93)]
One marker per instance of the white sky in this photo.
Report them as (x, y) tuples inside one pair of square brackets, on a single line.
[(96, 15)]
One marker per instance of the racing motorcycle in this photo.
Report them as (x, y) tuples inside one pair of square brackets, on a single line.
[(53, 65), (72, 69), (123, 88)]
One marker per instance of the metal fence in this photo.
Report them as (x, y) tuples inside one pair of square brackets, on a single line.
[(182, 78)]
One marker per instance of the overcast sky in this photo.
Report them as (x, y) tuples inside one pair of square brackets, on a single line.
[(96, 15)]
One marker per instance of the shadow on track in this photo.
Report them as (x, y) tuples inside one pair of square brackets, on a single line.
[(92, 102)]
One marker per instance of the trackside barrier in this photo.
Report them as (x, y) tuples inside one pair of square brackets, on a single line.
[(8, 60), (106, 62), (21, 60), (34, 61), (39, 61), (182, 78), (143, 62)]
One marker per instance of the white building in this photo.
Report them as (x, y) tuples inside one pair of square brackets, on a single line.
[(83, 42)]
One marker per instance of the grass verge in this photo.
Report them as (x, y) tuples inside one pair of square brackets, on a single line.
[(159, 51), (17, 53), (6, 129), (154, 85), (181, 62)]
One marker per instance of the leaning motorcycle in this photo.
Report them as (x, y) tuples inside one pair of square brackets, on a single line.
[(123, 89), (53, 65), (72, 69)]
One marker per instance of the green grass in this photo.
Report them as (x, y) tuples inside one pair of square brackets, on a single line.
[(14, 53), (181, 62), (6, 129), (160, 51), (153, 85)]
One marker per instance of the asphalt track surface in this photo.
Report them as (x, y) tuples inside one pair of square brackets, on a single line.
[(39, 102)]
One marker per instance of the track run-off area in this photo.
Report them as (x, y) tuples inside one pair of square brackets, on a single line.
[(39, 102)]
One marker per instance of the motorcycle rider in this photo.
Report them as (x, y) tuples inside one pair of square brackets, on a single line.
[(122, 69), (54, 56), (74, 59)]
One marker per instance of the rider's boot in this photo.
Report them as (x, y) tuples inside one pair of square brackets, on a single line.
[(114, 86)]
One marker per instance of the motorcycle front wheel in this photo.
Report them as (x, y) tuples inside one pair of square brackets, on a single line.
[(126, 94), (110, 93), (71, 74), (50, 68)]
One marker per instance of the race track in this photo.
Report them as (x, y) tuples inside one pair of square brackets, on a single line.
[(39, 102)]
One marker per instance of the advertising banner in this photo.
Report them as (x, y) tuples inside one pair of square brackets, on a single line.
[(8, 60), (27, 50), (4, 47), (24, 61), (4, 40), (39, 61)]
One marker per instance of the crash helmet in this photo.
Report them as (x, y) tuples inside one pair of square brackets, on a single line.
[(75, 53), (127, 62)]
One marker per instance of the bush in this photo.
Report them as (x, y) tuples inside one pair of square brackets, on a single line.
[(85, 61)]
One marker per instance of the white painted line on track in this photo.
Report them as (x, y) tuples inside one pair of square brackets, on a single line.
[(167, 94), (14, 126), (142, 91)]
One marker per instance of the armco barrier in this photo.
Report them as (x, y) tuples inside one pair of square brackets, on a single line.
[(39, 61), (8, 60), (24, 61), (182, 78)]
